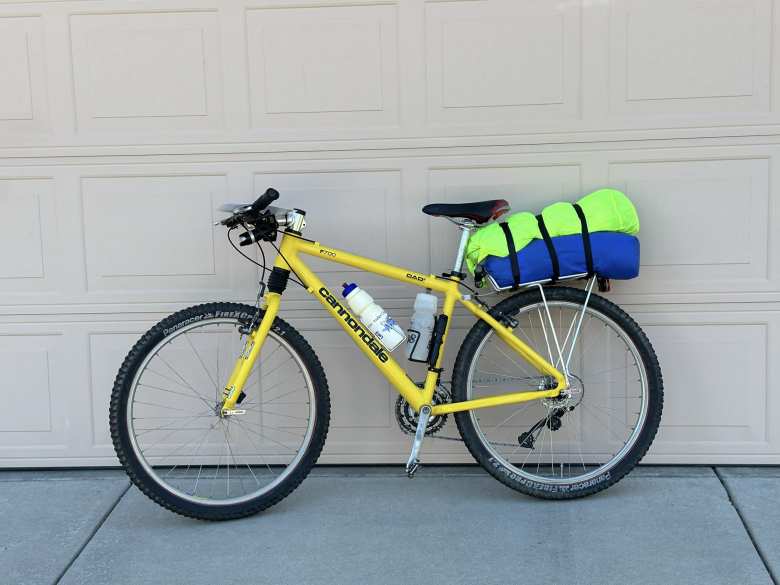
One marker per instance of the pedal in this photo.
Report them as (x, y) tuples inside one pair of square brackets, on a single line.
[(413, 463)]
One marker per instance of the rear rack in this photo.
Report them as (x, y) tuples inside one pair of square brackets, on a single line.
[(497, 288)]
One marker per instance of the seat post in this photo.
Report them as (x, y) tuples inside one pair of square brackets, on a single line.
[(465, 226)]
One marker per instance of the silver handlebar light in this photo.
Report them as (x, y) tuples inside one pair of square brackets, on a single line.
[(293, 219)]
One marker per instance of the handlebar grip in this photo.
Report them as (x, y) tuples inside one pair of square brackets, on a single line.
[(265, 199)]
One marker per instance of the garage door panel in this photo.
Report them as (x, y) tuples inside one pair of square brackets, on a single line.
[(486, 65), (29, 237), (697, 358), (153, 71), (704, 223), (21, 223), (23, 107), (26, 411), (40, 415), (657, 68), (153, 233), (323, 66)]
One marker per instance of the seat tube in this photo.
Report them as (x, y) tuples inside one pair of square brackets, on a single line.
[(466, 228), (434, 370)]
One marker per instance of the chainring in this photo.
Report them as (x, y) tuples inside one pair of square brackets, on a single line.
[(407, 418)]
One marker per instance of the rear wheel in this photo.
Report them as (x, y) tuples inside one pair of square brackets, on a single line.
[(169, 432), (593, 434)]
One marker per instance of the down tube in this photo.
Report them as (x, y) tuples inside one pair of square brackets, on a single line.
[(374, 350)]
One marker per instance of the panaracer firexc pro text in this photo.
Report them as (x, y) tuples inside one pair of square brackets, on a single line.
[(221, 409)]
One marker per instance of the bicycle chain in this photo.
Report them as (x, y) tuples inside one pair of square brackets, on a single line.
[(443, 438), (407, 421)]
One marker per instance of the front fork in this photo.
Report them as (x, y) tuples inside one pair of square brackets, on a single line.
[(245, 361)]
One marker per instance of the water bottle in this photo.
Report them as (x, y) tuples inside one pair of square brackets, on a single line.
[(419, 335), (376, 320)]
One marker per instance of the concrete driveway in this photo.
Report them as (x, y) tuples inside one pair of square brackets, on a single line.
[(453, 525)]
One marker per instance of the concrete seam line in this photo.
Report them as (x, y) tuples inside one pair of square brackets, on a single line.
[(748, 530), (91, 535)]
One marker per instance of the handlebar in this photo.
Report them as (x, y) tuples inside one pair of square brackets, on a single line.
[(265, 199), (262, 221), (249, 213)]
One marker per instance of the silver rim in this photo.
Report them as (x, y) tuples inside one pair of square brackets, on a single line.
[(187, 448), (600, 421)]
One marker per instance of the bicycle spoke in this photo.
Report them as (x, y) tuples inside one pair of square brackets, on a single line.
[(190, 396), (514, 362), (271, 413), (159, 406), (266, 426), (217, 390), (177, 450), (239, 423), (544, 330), (176, 373), (200, 359), (165, 437)]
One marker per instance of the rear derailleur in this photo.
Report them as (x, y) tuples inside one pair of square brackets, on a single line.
[(552, 422), (557, 407)]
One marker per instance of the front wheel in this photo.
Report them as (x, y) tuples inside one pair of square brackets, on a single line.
[(590, 436), (169, 431)]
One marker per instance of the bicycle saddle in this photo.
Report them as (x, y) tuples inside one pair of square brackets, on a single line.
[(479, 211)]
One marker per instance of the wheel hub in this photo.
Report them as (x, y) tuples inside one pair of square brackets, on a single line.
[(568, 399)]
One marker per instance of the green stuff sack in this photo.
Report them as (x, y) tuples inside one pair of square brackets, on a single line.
[(606, 210)]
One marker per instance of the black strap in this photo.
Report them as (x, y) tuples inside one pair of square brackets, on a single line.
[(510, 246), (585, 238), (550, 248)]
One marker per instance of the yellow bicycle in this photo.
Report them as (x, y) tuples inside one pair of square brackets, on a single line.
[(555, 391)]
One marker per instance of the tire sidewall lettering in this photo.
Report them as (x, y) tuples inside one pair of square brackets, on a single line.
[(550, 488), (242, 316)]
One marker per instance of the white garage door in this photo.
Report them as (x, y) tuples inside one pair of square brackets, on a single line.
[(124, 124)]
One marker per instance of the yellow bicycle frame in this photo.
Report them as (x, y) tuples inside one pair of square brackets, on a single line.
[(292, 246)]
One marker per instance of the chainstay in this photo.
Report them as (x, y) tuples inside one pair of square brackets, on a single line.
[(434, 434)]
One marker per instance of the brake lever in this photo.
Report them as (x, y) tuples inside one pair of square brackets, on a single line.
[(230, 221), (236, 211)]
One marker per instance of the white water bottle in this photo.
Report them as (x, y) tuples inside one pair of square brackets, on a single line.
[(420, 331), (384, 329)]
